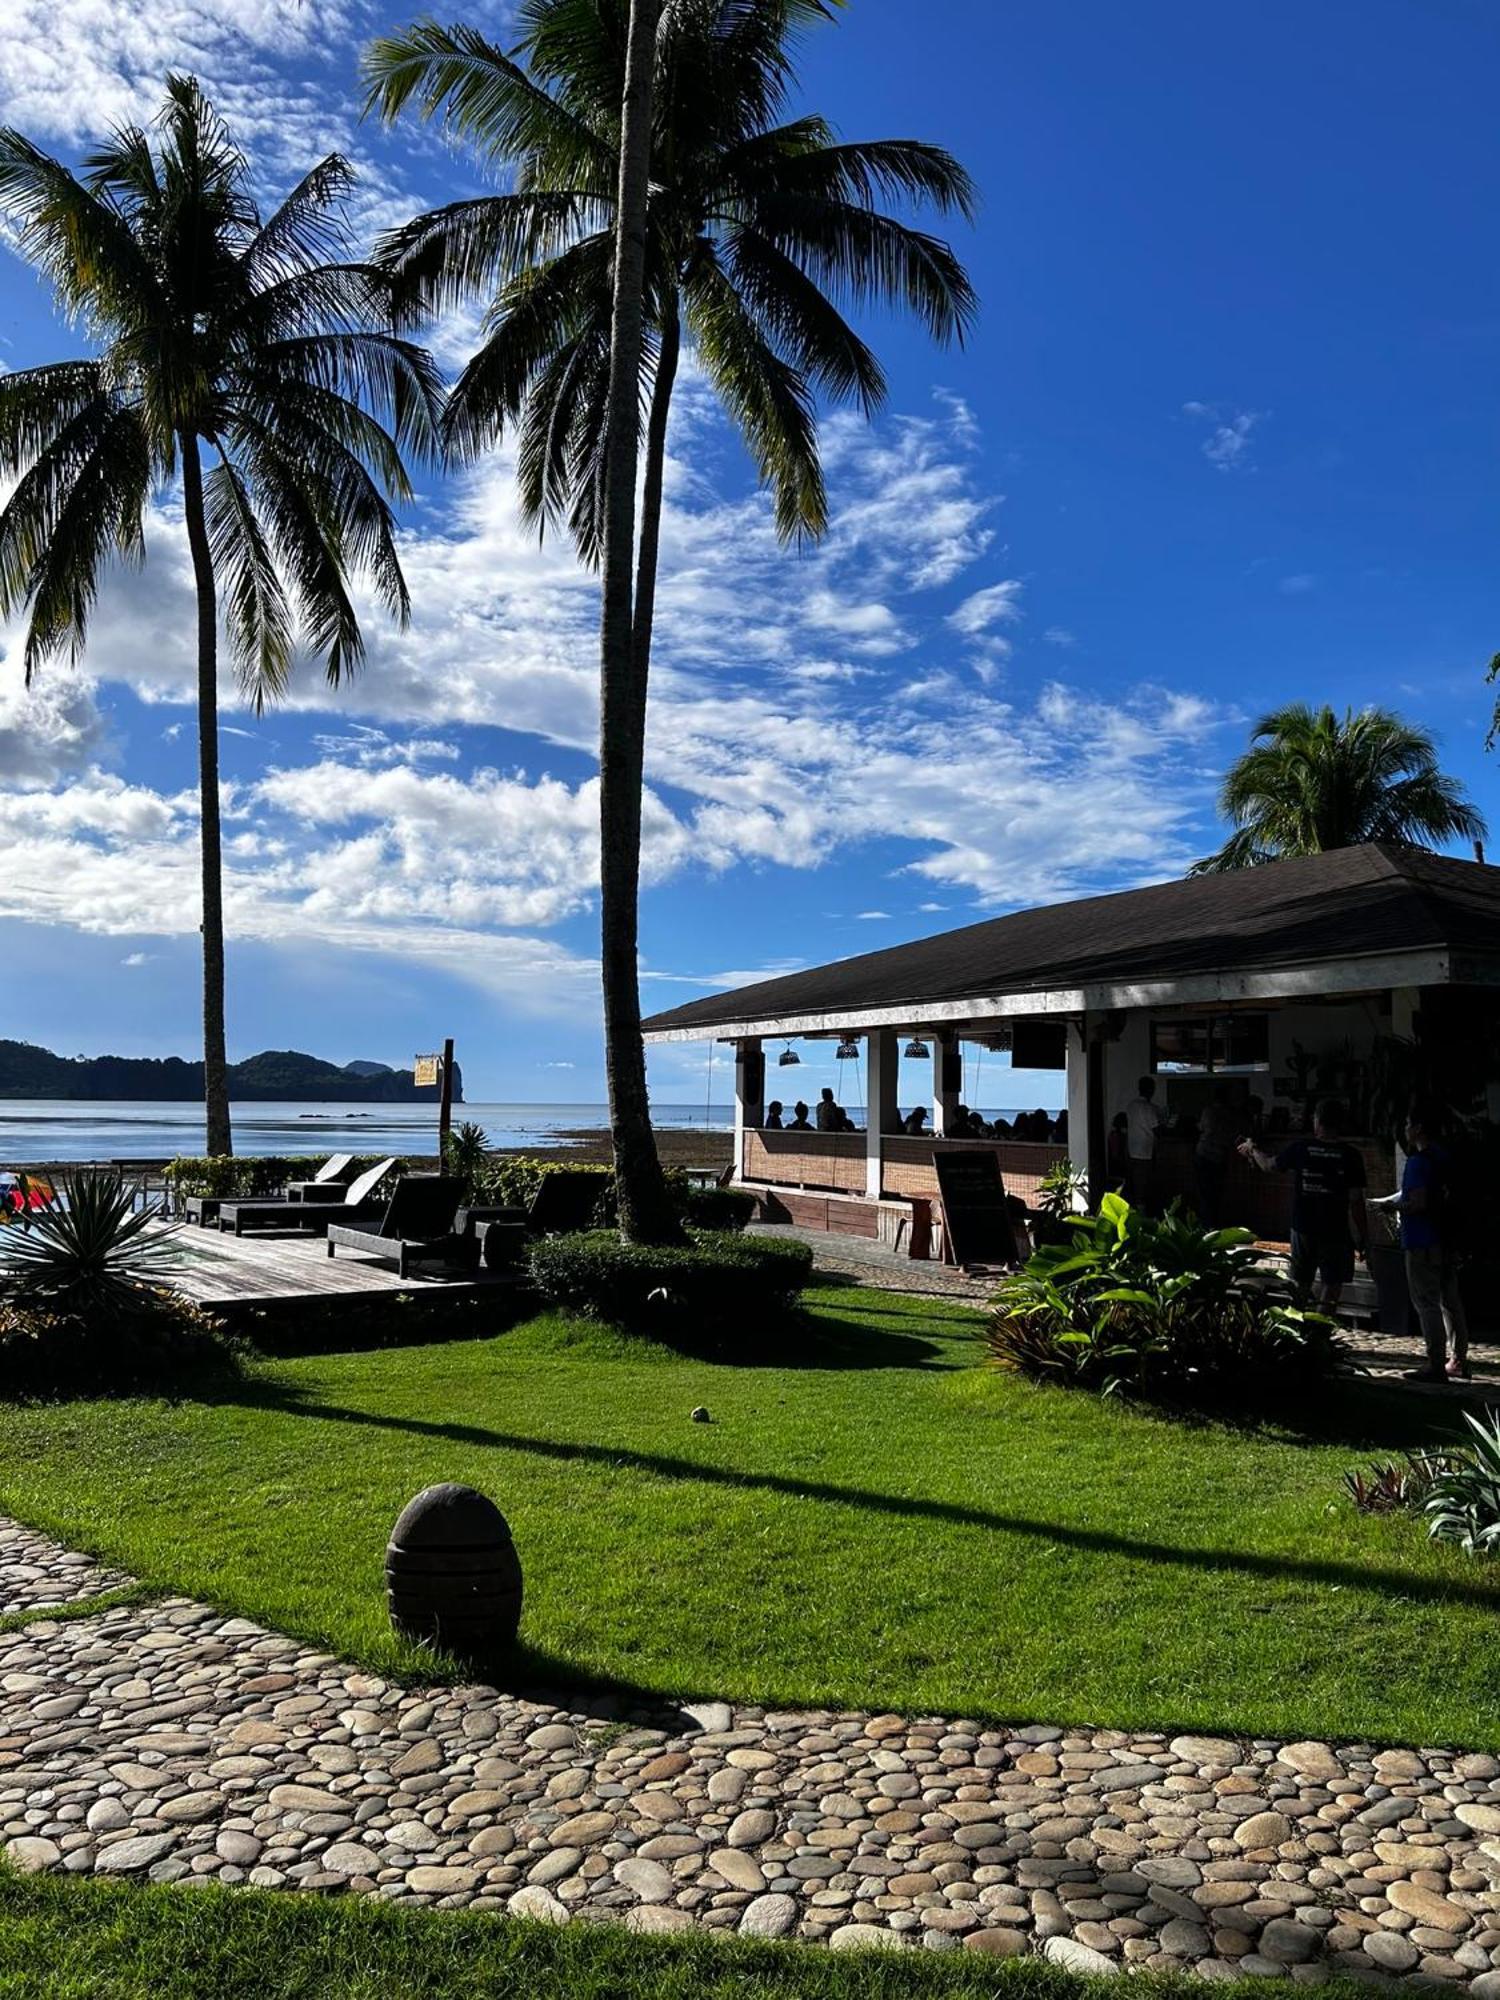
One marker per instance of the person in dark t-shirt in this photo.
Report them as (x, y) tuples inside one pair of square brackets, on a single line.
[(1328, 1203)]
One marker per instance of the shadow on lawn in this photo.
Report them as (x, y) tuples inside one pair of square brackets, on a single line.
[(1244, 1562)]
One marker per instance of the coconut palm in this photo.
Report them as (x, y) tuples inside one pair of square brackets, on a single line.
[(1312, 780), (226, 335), (762, 230)]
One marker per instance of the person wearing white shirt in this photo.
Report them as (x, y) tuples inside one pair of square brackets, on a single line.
[(1143, 1119)]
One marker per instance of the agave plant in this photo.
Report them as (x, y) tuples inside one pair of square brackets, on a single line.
[(1463, 1504), (92, 1251), (466, 1154), (1390, 1485)]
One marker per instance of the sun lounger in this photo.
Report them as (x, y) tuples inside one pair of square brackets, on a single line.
[(311, 1217), (204, 1208), (420, 1225), (564, 1201)]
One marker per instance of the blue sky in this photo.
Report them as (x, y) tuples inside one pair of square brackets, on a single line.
[(1225, 435)]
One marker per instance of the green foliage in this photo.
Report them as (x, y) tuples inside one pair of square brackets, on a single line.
[(90, 1250), (1463, 1504), (1313, 780), (467, 1157), (219, 323), (717, 1207), (1158, 1307), (762, 231), (1391, 1486), (718, 1287), (168, 1347), (510, 1180), (248, 1176), (1061, 1189)]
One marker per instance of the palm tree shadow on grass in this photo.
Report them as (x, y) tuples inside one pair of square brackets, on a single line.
[(1101, 1541)]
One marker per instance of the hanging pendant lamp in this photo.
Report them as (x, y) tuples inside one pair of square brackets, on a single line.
[(788, 1058)]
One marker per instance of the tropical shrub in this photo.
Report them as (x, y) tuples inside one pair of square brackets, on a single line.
[(718, 1207), (247, 1176), (1155, 1306), (718, 1288), (1463, 1500), (511, 1180), (1390, 1486), (82, 1304)]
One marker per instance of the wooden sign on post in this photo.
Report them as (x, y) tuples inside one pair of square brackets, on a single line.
[(428, 1072), (976, 1215)]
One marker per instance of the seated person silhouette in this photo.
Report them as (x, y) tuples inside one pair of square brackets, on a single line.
[(773, 1115), (800, 1121)]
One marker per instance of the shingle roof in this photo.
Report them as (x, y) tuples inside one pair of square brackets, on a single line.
[(1354, 902)]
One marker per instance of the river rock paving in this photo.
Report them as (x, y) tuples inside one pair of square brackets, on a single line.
[(170, 1743), (35, 1574)]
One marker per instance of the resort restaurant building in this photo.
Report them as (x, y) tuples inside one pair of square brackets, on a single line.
[(1338, 974)]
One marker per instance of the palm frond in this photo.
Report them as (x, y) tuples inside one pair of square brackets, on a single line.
[(36, 404), (478, 93), (768, 398), (450, 255), (308, 229), (856, 254), (77, 240), (254, 603), (801, 321)]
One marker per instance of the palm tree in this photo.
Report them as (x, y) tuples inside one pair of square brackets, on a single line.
[(225, 333), (1313, 780), (761, 231)]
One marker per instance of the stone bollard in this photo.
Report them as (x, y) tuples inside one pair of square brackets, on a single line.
[(452, 1574)]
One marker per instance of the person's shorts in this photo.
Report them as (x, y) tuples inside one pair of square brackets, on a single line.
[(1327, 1258)]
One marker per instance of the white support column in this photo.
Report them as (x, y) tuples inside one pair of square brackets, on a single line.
[(880, 1099), (1406, 1004), (947, 1081), (1079, 1151), (749, 1095)]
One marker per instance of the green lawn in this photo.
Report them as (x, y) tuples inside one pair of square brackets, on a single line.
[(883, 1524), (63, 1938)]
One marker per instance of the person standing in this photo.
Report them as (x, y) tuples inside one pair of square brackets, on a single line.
[(1143, 1119), (1427, 1210), (1328, 1203)]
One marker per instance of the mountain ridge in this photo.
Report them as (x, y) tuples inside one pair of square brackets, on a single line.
[(273, 1076)]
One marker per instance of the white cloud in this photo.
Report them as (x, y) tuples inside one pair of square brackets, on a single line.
[(1297, 586), (872, 916), (134, 958), (47, 730), (1060, 636), (1227, 445), (998, 604)]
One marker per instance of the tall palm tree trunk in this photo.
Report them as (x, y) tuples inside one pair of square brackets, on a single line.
[(651, 495), (218, 1138), (646, 1213)]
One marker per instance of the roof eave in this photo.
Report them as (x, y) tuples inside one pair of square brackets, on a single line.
[(1352, 972)]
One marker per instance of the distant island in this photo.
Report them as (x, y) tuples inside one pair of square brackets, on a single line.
[(274, 1076)]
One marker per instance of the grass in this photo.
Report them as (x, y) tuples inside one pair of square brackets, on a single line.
[(73, 1939), (880, 1523)]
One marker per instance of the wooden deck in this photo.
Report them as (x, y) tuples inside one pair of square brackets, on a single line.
[(217, 1270)]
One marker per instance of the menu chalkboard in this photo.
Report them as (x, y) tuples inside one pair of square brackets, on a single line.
[(979, 1226)]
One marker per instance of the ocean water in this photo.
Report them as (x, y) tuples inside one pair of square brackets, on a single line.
[(54, 1129), (35, 1130)]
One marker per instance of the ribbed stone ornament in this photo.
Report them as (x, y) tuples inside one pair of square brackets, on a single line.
[(452, 1574)]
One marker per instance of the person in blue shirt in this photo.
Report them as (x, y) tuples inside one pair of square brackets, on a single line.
[(1432, 1265), (1328, 1203)]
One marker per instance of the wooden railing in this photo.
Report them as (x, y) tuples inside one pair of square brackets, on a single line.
[(836, 1161)]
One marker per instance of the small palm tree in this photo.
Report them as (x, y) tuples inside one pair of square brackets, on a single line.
[(1313, 780), (219, 332), (760, 232)]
